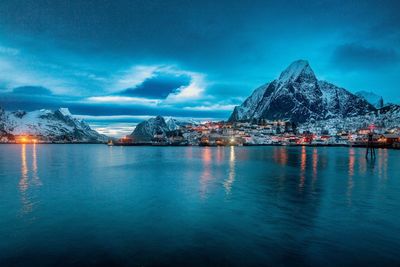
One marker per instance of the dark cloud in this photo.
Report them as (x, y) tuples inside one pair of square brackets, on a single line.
[(355, 56), (32, 90), (21, 100), (159, 86)]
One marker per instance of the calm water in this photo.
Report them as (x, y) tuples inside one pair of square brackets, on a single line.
[(93, 205)]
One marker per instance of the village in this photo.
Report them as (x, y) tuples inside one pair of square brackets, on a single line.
[(264, 133)]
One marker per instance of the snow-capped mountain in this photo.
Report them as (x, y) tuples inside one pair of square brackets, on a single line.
[(297, 95), (372, 98), (56, 125), (146, 130), (246, 110)]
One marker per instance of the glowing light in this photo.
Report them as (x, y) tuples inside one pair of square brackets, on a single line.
[(231, 178), (371, 127), (23, 139)]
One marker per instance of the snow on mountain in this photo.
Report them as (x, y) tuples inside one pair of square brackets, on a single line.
[(65, 111), (297, 68), (146, 130), (372, 98), (53, 125), (172, 124), (386, 118), (341, 103), (298, 96), (246, 110)]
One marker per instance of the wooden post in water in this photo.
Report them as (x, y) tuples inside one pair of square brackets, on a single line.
[(370, 146)]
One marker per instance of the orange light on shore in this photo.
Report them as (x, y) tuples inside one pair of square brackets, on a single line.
[(25, 140)]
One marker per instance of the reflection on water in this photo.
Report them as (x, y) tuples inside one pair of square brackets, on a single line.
[(303, 163), (315, 163), (280, 155), (206, 174), (189, 152), (27, 184), (240, 206), (23, 183), (370, 163), (350, 182), (362, 165), (351, 161), (382, 163), (220, 155), (315, 167), (231, 177), (35, 177)]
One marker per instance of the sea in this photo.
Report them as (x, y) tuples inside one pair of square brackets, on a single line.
[(94, 205)]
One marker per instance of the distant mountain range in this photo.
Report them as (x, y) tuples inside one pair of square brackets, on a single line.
[(55, 125), (298, 96)]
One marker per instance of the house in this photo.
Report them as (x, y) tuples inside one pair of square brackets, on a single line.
[(126, 139), (389, 139)]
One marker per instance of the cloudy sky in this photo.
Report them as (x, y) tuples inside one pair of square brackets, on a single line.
[(118, 62)]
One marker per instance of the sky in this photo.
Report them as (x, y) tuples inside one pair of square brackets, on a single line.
[(115, 63)]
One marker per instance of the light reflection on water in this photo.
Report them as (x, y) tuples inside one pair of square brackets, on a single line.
[(232, 206), (303, 167), (315, 167), (206, 175), (231, 177), (29, 180), (350, 183)]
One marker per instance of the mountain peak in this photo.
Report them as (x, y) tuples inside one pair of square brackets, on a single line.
[(296, 69), (299, 97), (65, 111)]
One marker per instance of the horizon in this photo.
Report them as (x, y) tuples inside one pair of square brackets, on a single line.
[(119, 62)]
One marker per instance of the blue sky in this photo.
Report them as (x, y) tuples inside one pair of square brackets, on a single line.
[(117, 62)]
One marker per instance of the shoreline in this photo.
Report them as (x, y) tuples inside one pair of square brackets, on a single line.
[(244, 145)]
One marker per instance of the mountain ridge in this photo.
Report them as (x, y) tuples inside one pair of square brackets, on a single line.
[(297, 95)]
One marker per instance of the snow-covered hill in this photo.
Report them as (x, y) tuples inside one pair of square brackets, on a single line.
[(57, 125), (297, 95), (386, 118), (145, 131)]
